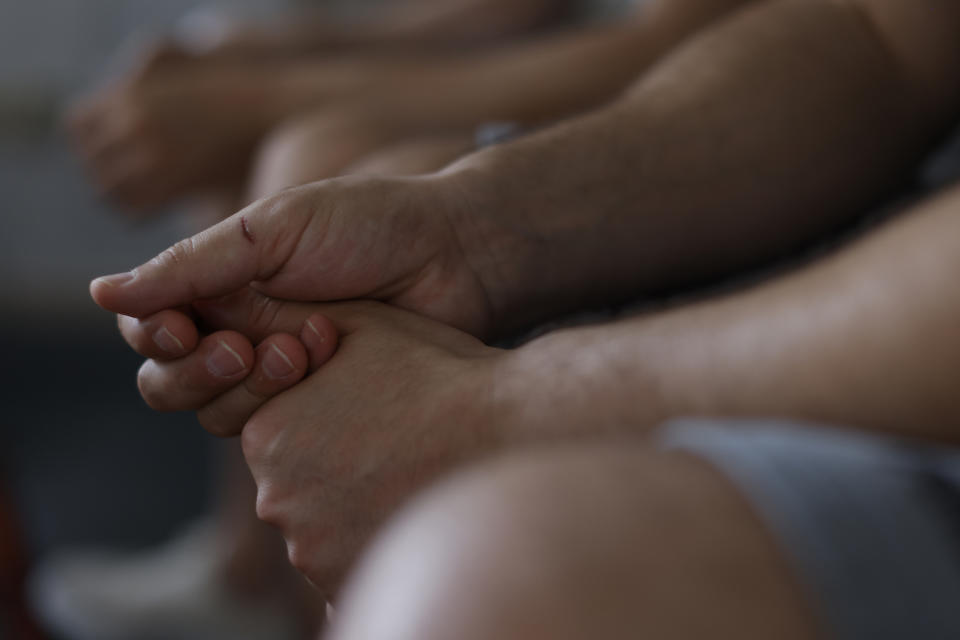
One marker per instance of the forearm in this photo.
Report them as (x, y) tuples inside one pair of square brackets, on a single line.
[(757, 135), (549, 77), (866, 338), (543, 79), (414, 24), (457, 22)]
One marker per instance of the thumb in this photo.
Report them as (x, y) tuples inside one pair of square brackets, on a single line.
[(220, 260)]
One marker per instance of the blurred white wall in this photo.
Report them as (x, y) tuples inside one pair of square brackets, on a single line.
[(60, 43)]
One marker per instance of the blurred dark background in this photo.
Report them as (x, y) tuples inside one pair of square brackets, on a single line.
[(82, 460)]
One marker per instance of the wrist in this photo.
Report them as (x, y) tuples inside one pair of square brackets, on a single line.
[(539, 250), (575, 383), (492, 244)]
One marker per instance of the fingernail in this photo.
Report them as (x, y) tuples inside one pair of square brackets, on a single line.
[(276, 364), (319, 335), (117, 279), (224, 362), (167, 341)]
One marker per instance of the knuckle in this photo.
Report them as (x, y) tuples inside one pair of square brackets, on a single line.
[(177, 255), (281, 204), (263, 314)]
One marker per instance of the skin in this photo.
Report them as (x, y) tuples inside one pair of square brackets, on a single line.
[(176, 128), (329, 143), (825, 343), (605, 541), (865, 337), (258, 565), (183, 124), (411, 23), (406, 399), (671, 188), (288, 259), (386, 355), (489, 254), (223, 376)]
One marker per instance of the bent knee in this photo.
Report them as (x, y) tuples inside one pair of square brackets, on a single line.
[(313, 147), (414, 157), (566, 544)]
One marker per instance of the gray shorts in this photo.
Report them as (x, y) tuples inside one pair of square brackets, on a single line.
[(871, 525)]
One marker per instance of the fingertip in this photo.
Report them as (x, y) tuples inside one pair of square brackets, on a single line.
[(230, 355), (94, 289), (167, 335), (281, 362), (215, 367), (320, 337), (174, 333), (168, 342), (212, 263), (144, 375), (106, 290), (282, 358)]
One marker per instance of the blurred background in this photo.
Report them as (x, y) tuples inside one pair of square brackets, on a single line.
[(82, 460)]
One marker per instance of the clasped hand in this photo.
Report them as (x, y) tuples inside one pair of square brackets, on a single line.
[(345, 408)]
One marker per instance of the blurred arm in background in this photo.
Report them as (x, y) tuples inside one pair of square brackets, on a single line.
[(407, 23), (184, 125)]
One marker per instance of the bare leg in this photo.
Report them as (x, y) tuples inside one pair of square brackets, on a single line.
[(325, 145), (595, 543), (415, 156), (305, 149), (207, 209)]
